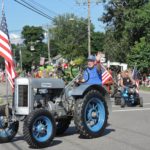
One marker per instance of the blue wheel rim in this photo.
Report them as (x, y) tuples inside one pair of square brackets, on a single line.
[(42, 129), (95, 114), (5, 131)]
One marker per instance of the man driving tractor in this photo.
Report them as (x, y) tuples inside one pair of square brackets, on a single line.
[(93, 75)]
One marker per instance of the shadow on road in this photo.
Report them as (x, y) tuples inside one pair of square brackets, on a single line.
[(54, 143), (18, 138), (106, 132), (15, 145), (73, 130), (70, 131)]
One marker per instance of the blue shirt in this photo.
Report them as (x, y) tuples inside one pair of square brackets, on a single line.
[(92, 76)]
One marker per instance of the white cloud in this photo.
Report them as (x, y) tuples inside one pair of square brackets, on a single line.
[(15, 38)]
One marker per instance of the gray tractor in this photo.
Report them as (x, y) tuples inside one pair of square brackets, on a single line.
[(46, 107)]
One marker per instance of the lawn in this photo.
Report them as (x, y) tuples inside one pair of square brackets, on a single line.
[(1, 101), (144, 88)]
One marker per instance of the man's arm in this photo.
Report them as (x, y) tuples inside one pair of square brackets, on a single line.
[(132, 80), (121, 83), (130, 77)]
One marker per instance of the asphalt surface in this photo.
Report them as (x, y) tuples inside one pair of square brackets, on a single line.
[(128, 129)]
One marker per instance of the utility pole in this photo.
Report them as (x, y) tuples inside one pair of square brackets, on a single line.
[(88, 2), (89, 27), (48, 45), (20, 53)]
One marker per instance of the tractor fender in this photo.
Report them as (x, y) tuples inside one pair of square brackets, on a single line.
[(81, 90)]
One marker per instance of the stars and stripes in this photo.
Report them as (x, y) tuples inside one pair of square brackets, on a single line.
[(135, 76), (6, 52), (105, 74)]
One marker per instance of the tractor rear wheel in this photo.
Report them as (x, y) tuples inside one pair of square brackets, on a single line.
[(140, 101), (117, 100), (122, 102), (91, 114)]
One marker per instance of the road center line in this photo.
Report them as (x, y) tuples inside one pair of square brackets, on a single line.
[(126, 110), (115, 106), (146, 104)]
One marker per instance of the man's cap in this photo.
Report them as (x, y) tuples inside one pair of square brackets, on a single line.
[(92, 58)]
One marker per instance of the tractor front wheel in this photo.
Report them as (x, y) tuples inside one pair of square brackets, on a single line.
[(39, 128)]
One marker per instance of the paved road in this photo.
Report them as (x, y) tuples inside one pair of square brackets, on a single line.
[(128, 129)]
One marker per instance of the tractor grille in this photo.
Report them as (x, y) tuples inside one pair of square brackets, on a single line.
[(23, 95)]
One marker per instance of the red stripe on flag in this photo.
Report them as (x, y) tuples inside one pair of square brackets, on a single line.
[(105, 75), (137, 85), (6, 52), (4, 39), (3, 47), (11, 74)]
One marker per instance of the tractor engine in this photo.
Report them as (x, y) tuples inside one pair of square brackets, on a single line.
[(43, 96), (32, 93)]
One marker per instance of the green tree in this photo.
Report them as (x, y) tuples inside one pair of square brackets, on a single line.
[(33, 38), (70, 36), (97, 41), (140, 55), (127, 21)]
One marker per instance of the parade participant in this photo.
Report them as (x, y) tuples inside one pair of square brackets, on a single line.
[(59, 71), (126, 79), (92, 74)]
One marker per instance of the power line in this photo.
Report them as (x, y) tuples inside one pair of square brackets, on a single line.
[(37, 9), (34, 9), (43, 7)]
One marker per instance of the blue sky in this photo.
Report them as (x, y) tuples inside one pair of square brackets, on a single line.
[(18, 16)]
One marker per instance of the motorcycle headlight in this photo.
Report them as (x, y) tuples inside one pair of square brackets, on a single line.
[(131, 90)]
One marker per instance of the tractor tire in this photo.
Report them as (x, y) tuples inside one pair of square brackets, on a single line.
[(7, 130), (140, 101), (91, 114), (117, 100), (122, 103), (39, 128), (62, 125)]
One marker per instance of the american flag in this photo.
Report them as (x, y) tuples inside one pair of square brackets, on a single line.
[(105, 74), (6, 52), (135, 76)]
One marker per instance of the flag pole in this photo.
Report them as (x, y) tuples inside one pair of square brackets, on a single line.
[(2, 5), (5, 65), (7, 102)]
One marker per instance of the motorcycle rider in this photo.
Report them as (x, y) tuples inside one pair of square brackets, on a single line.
[(126, 80)]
